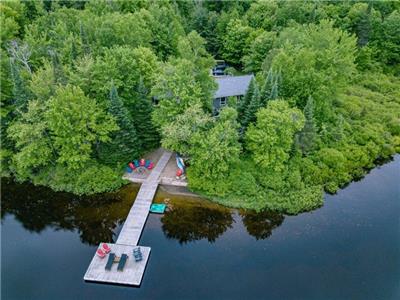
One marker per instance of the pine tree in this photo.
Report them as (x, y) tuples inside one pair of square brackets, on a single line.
[(84, 40), (271, 87), (266, 90), (20, 92), (254, 105), (124, 145), (146, 132), (58, 71), (242, 105), (363, 27), (274, 91), (306, 137), (74, 52)]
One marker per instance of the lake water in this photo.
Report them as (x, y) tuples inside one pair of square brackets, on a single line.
[(348, 249)]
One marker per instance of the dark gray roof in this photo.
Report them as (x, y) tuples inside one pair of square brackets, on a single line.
[(232, 85)]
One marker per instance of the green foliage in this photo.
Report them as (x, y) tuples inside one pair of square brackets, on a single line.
[(91, 179), (249, 115), (213, 152), (258, 50), (142, 110), (64, 55), (192, 48), (307, 136), (11, 20), (270, 90), (271, 138), (124, 145), (21, 93), (165, 29), (177, 136), (313, 62), (32, 141), (386, 41), (71, 114), (245, 101), (236, 41), (176, 89)]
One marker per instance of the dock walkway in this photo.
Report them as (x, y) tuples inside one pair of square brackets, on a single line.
[(134, 223), (130, 235)]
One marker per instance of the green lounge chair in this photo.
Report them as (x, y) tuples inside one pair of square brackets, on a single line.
[(137, 254), (110, 261), (122, 262)]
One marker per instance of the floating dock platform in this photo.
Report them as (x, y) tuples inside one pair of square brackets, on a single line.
[(130, 235), (132, 273)]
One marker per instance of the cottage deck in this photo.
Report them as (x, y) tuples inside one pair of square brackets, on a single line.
[(130, 235)]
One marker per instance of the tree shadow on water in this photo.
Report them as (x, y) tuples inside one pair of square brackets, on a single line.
[(192, 222), (261, 224), (95, 218)]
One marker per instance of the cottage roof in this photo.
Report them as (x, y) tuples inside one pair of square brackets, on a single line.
[(232, 85)]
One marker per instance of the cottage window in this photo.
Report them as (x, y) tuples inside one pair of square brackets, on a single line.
[(222, 101)]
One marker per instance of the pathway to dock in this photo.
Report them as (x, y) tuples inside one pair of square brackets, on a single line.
[(130, 235), (134, 223)]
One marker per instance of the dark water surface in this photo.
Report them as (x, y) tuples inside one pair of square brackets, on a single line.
[(348, 249)]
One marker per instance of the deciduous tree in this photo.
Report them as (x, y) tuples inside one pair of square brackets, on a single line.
[(271, 138)]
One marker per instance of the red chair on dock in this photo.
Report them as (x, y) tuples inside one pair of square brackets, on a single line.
[(100, 253), (132, 166), (105, 248)]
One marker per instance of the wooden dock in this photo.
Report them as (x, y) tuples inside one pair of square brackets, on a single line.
[(130, 235)]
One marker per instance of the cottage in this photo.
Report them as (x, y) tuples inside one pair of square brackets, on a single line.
[(230, 86)]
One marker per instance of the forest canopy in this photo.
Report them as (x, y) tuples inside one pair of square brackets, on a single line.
[(87, 86)]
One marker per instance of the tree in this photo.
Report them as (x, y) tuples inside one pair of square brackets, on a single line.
[(11, 20), (236, 41), (177, 136), (192, 49), (20, 54), (124, 66), (270, 90), (261, 14), (306, 137), (76, 124), (84, 39), (244, 103), (124, 144), (142, 111), (176, 89), (258, 51), (251, 110), (274, 91), (316, 60), (34, 147), (21, 93), (270, 139), (42, 83), (59, 76), (213, 152), (165, 28), (387, 42)]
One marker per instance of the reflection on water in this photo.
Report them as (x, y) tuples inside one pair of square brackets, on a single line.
[(95, 218), (348, 249), (261, 224), (189, 223)]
